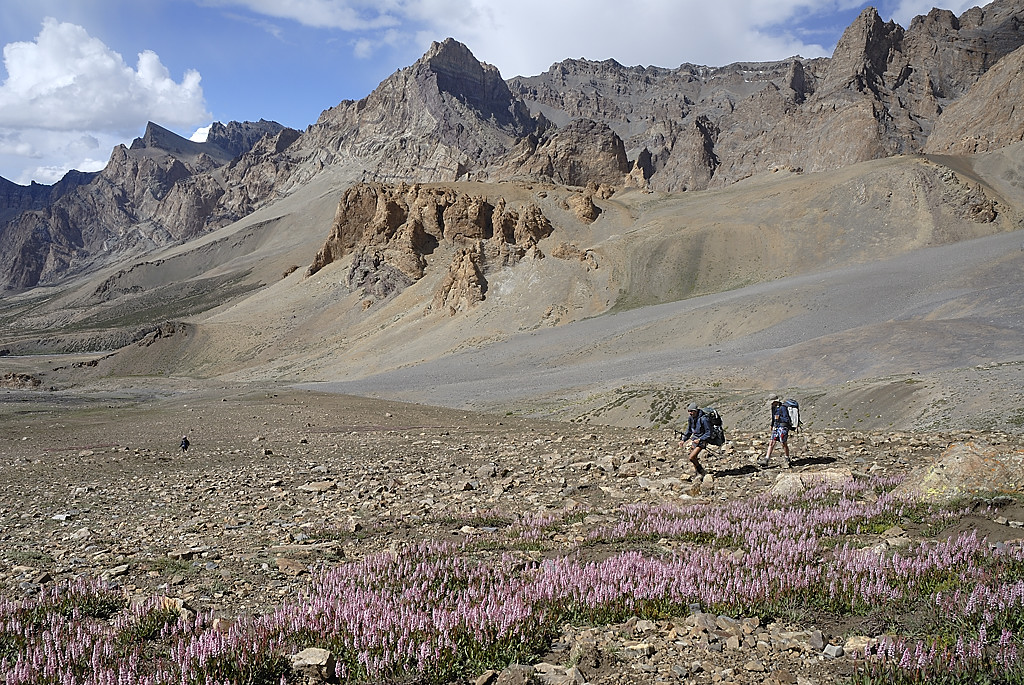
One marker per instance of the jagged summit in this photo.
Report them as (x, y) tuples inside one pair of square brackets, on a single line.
[(476, 84), (223, 143), (157, 140)]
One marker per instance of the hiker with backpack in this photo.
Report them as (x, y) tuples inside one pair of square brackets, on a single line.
[(781, 425), (698, 434)]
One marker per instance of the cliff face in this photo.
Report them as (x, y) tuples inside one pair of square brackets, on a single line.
[(881, 93), (989, 116), (945, 84)]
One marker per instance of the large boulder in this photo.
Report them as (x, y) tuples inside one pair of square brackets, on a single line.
[(967, 468), (793, 483)]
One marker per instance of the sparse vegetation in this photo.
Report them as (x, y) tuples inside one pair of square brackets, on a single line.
[(437, 612)]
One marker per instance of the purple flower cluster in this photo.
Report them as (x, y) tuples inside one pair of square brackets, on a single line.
[(84, 633), (997, 606), (968, 660)]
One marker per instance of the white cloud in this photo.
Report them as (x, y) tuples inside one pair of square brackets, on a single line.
[(45, 156), (347, 15), (528, 36), (68, 80)]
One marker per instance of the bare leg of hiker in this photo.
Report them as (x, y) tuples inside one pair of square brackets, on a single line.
[(694, 460), (768, 455)]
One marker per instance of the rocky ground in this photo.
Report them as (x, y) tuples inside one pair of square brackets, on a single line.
[(278, 483)]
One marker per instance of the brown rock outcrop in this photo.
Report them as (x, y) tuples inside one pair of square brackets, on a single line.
[(577, 154), (19, 381), (389, 230), (583, 207), (464, 285)]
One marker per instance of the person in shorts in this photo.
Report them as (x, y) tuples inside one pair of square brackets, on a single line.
[(698, 432), (781, 425)]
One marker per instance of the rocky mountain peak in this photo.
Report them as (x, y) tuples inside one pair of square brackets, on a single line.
[(863, 54), (157, 137), (238, 137), (476, 84), (157, 143), (223, 143)]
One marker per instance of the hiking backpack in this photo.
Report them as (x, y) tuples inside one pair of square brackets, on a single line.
[(717, 431), (793, 407)]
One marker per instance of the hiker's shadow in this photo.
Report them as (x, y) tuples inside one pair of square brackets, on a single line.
[(741, 471), (753, 468), (813, 461)]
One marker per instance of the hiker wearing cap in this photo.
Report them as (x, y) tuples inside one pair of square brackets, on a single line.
[(698, 432), (781, 425)]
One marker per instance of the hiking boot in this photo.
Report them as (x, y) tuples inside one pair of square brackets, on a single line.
[(786, 464), (762, 462)]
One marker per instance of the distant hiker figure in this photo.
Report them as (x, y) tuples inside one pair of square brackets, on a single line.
[(698, 432), (781, 425), (184, 444)]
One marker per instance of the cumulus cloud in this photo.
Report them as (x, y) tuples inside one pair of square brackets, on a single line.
[(45, 156), (527, 36), (68, 80)]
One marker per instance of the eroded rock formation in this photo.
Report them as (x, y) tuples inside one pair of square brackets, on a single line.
[(389, 230)]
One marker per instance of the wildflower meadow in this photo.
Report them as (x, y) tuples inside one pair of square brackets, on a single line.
[(441, 612)]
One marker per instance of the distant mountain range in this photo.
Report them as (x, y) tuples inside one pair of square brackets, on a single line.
[(946, 84)]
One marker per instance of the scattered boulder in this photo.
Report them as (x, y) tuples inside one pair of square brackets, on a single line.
[(314, 665), (583, 208), (788, 484), (516, 674), (967, 468)]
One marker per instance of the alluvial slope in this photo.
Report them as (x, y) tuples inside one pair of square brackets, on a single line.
[(804, 279)]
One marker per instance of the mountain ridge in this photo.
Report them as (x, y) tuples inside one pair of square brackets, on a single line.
[(450, 117)]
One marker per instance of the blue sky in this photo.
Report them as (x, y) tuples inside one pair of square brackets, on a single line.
[(80, 76)]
